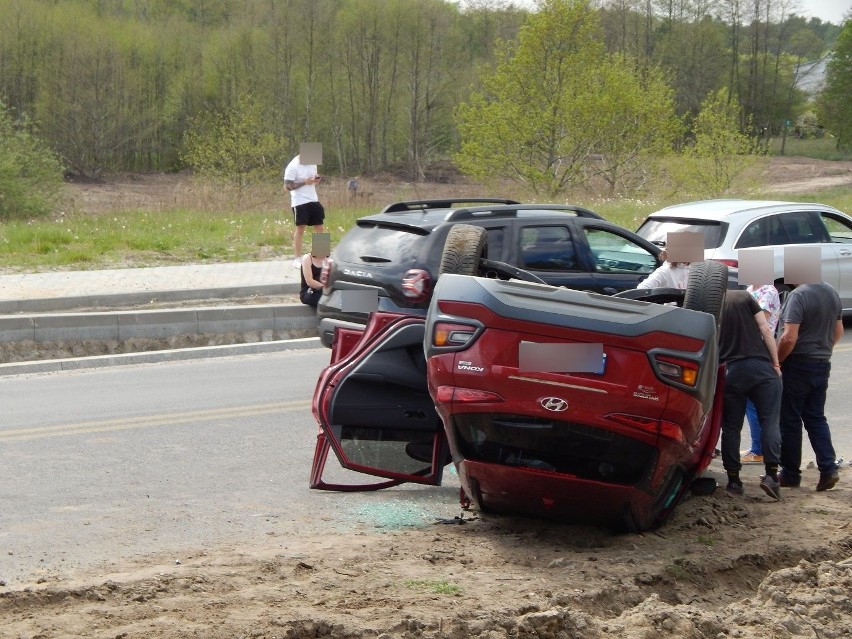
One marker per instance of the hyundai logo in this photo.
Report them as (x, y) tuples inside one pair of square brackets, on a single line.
[(556, 404)]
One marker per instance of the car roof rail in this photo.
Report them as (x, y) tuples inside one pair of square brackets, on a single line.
[(448, 203), (518, 210)]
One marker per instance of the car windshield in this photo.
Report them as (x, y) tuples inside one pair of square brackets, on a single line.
[(655, 230)]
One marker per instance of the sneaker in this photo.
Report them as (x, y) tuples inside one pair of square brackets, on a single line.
[(771, 487), (735, 488), (751, 458), (786, 482), (827, 481), (297, 263)]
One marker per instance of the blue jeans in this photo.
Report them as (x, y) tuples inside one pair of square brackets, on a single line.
[(751, 378), (754, 428), (803, 404)]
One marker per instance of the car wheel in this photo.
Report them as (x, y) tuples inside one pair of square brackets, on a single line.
[(707, 287), (465, 246)]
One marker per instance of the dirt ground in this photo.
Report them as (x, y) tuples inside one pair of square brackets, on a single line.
[(723, 566)]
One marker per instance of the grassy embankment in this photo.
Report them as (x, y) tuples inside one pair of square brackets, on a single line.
[(182, 221)]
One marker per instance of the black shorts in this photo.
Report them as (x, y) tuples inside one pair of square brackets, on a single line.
[(309, 214)]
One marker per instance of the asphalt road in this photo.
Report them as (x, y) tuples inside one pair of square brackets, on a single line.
[(100, 466)]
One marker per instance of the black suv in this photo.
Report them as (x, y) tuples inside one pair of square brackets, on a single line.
[(395, 255)]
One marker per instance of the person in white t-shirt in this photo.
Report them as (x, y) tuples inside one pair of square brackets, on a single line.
[(301, 180), (669, 275)]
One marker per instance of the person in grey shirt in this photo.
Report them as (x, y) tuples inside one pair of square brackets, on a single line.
[(812, 325)]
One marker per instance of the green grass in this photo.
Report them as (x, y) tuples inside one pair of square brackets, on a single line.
[(438, 587), (823, 148), (207, 230), (142, 238)]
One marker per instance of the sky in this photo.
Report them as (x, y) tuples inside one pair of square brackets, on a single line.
[(825, 10)]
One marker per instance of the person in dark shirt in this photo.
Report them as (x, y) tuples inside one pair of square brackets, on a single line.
[(812, 325), (311, 287), (753, 372)]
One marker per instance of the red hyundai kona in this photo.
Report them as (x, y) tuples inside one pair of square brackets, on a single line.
[(549, 402)]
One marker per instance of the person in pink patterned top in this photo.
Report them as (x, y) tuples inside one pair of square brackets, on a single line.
[(770, 302)]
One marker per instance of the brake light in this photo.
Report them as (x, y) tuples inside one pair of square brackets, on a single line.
[(681, 371), (326, 269), (729, 263), (447, 334), (666, 429), (416, 284), (447, 394)]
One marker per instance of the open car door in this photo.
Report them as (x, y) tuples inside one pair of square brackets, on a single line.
[(374, 410)]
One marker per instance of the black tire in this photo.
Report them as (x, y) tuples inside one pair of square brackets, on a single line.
[(707, 287), (465, 246)]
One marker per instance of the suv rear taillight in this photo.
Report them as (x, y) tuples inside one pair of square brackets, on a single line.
[(326, 269), (449, 335), (417, 285), (446, 394), (729, 263), (649, 425), (681, 371)]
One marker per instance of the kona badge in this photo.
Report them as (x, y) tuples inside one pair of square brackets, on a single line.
[(358, 273), (555, 404), (468, 366), (646, 392)]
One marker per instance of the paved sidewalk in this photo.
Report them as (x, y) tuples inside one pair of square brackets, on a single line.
[(35, 303), (60, 290)]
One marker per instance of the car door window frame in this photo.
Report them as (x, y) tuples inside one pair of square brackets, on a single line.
[(598, 266), (562, 261)]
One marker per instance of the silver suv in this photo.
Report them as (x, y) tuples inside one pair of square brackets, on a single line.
[(730, 225)]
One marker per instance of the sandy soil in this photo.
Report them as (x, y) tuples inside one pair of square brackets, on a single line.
[(800, 175), (722, 566)]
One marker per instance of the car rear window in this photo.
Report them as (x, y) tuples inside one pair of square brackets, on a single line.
[(655, 230), (381, 244)]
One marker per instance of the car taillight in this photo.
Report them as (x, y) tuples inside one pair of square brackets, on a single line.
[(670, 430), (446, 394), (326, 269), (684, 372), (416, 284), (447, 334), (729, 263)]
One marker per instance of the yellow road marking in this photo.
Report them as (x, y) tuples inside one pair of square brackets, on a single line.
[(150, 421)]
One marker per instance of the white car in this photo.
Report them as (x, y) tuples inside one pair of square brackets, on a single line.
[(729, 225)]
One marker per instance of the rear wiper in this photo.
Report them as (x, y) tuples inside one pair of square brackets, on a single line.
[(373, 258)]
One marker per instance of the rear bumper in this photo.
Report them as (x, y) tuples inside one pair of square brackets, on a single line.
[(526, 491), (331, 317), (328, 325)]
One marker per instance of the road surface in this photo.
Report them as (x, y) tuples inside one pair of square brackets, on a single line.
[(101, 466)]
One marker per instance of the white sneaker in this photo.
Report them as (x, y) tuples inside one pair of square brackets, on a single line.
[(297, 263)]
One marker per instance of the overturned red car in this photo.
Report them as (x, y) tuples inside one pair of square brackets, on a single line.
[(549, 402)]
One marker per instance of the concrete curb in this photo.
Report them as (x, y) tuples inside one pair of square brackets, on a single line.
[(150, 357), (274, 319)]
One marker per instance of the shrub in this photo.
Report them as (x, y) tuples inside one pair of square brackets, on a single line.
[(30, 173)]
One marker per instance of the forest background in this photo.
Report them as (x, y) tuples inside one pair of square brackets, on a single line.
[(621, 98)]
